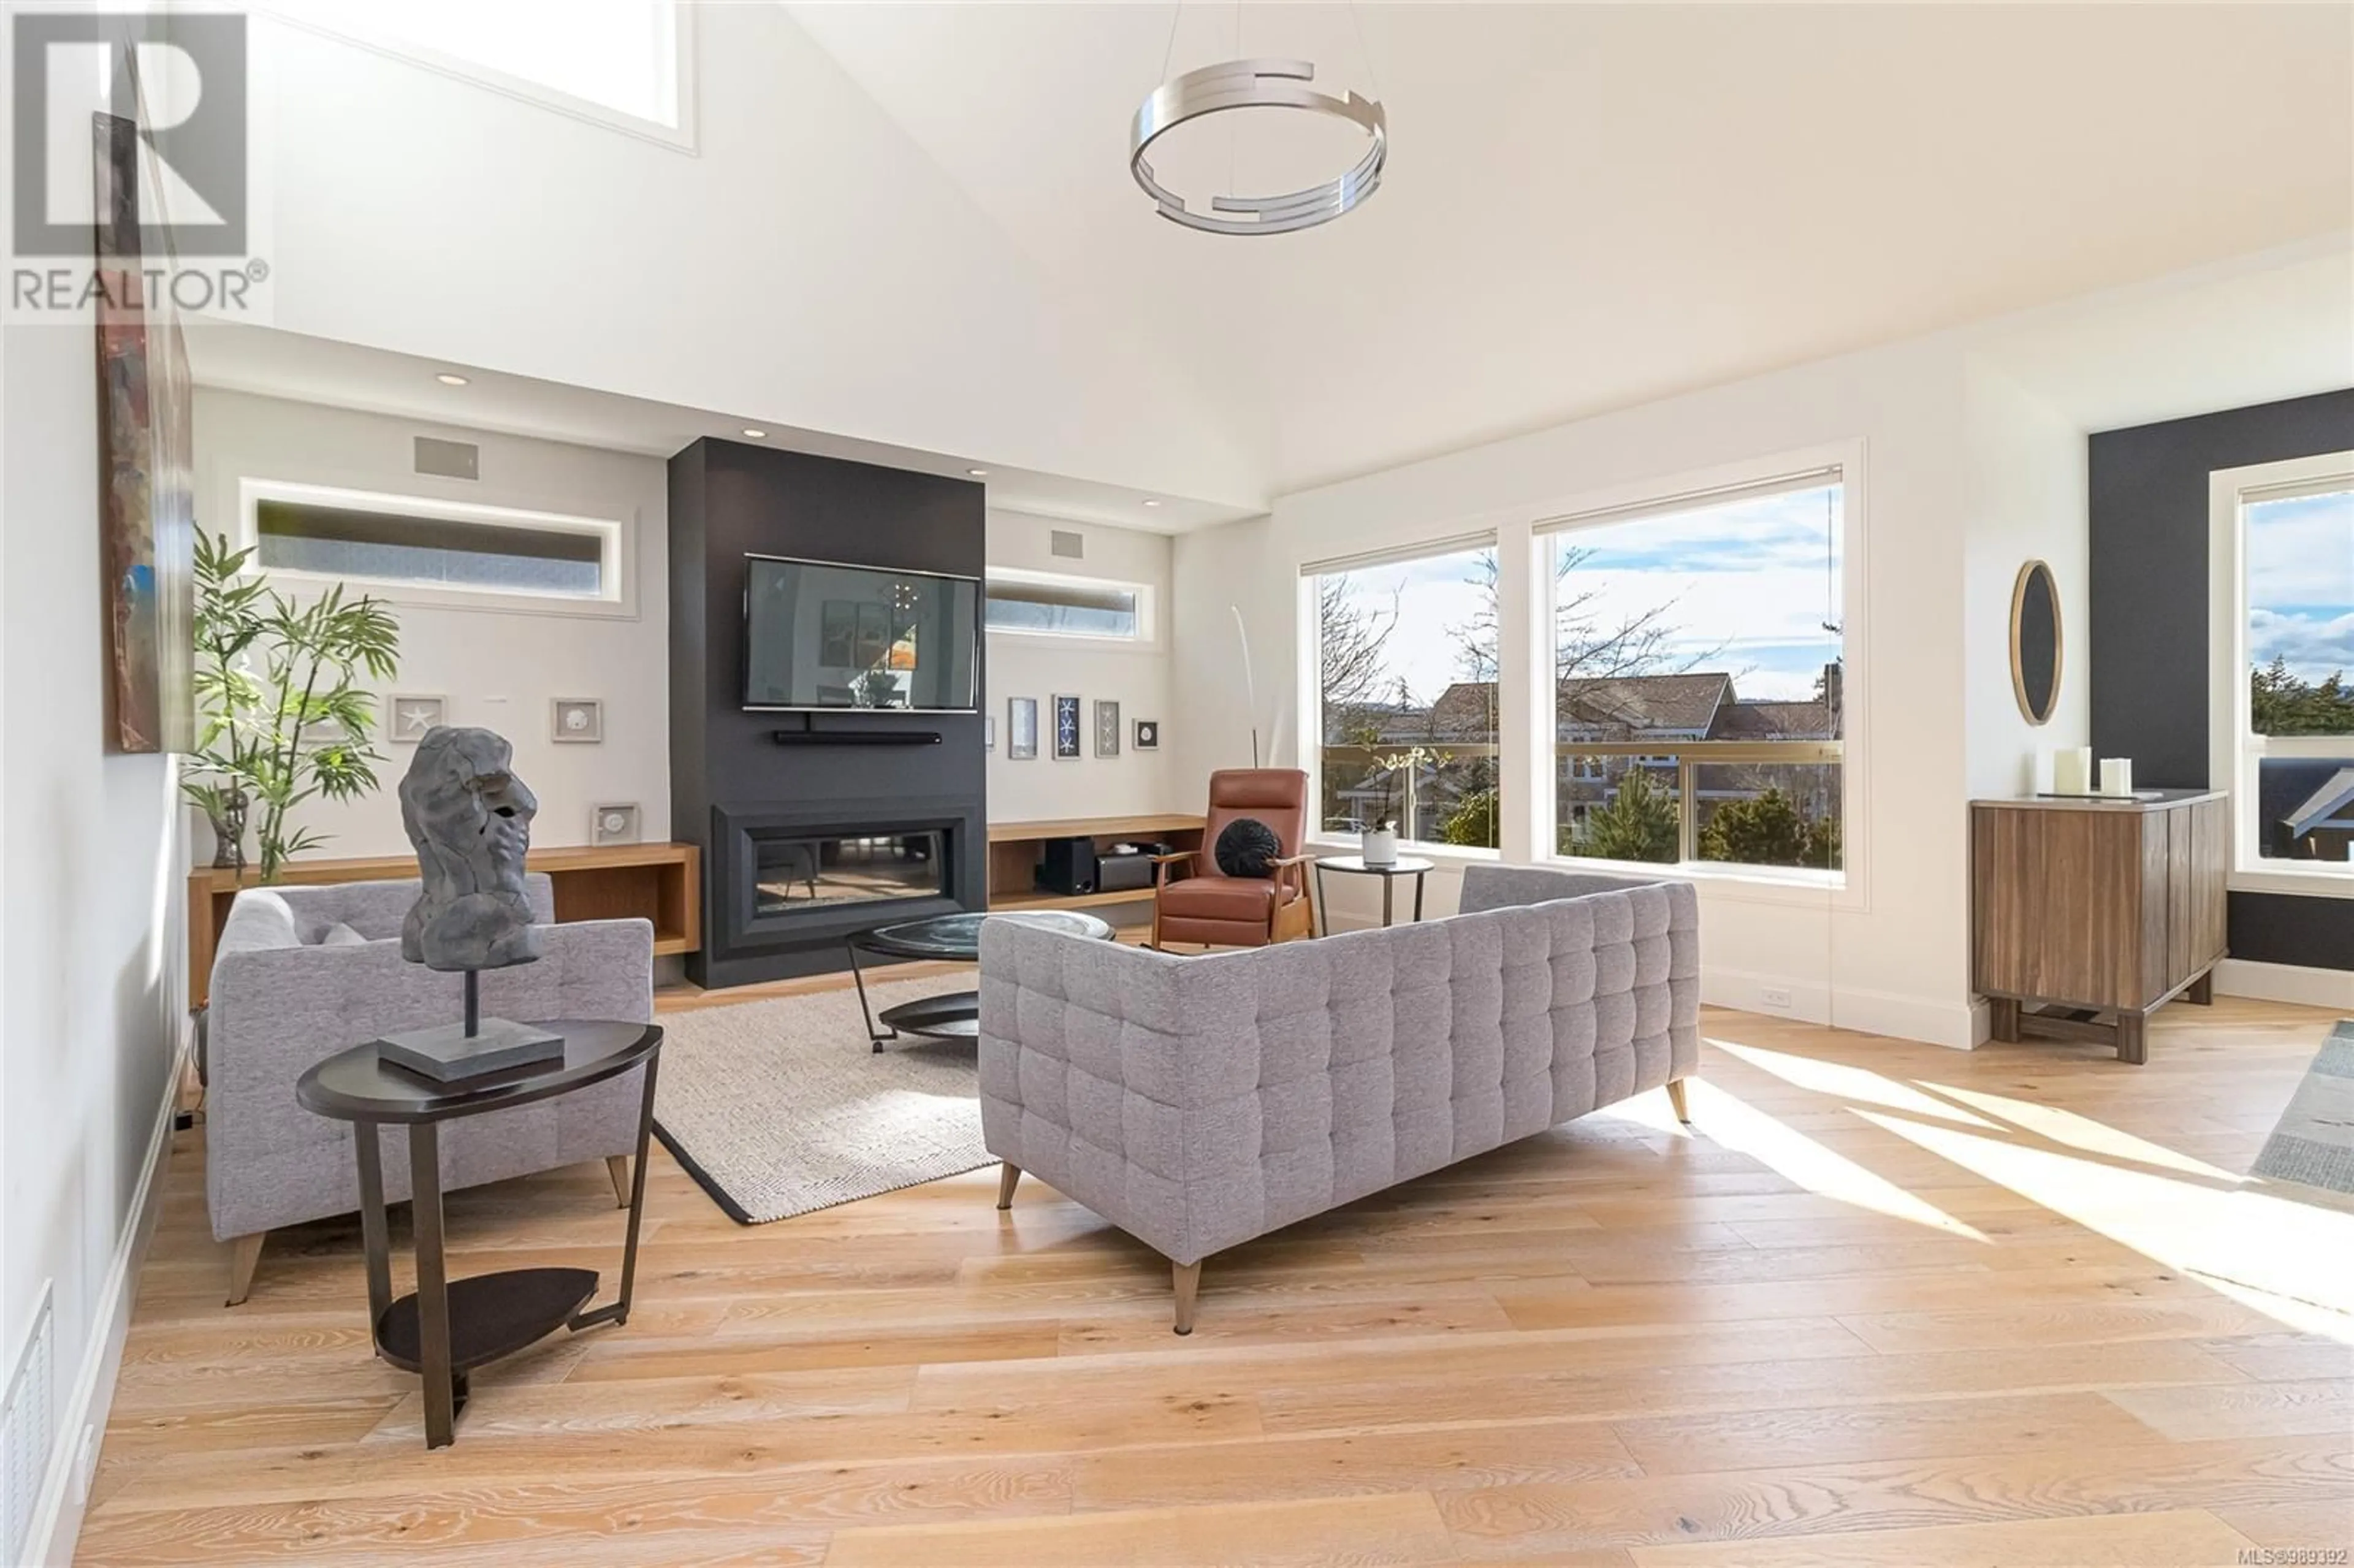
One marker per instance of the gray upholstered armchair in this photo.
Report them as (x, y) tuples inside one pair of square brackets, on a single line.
[(289, 989)]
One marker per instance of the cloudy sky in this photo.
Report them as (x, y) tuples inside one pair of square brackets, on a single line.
[(1744, 587), (2301, 584)]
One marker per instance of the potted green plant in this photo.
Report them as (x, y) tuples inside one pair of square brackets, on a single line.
[(284, 719)]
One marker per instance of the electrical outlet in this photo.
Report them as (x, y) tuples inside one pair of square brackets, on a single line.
[(1774, 996)]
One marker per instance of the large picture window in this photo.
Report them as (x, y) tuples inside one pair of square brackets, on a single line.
[(1406, 682), (2285, 544), (1699, 664)]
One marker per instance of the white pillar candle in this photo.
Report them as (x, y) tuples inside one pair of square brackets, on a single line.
[(2117, 775), (2072, 770)]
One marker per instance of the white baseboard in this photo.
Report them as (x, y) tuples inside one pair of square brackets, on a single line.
[(57, 1521), (2286, 982), (1956, 1024)]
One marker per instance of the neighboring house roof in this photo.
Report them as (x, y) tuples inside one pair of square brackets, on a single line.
[(2323, 804), (1385, 717), (1775, 721), (1654, 703), (1690, 706), (1467, 707)]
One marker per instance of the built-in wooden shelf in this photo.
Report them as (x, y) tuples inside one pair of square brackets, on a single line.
[(1013, 849), (1096, 827), (661, 883), (1012, 903)]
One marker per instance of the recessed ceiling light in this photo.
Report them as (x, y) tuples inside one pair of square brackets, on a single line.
[(756, 434), (978, 472), (451, 378), (1152, 503)]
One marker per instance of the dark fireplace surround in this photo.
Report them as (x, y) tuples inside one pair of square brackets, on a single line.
[(732, 783)]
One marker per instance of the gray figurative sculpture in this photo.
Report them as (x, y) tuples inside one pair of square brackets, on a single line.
[(470, 818)]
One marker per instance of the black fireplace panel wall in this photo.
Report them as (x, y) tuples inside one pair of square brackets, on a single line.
[(2147, 505), (729, 774)]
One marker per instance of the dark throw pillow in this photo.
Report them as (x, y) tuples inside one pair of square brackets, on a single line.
[(1248, 847)]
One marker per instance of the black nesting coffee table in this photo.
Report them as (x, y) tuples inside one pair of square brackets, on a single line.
[(954, 938), (447, 1328)]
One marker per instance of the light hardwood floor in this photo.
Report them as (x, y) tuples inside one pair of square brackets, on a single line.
[(1886, 1304)]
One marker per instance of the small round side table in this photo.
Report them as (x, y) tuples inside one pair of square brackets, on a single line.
[(444, 1329), (1354, 865)]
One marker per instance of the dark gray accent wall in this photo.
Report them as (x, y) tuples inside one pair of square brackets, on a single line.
[(2148, 520), (728, 499)]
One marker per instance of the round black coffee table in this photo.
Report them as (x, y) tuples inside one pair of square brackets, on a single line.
[(953, 938), (446, 1328)]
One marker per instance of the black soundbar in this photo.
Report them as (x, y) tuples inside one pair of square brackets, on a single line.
[(855, 737)]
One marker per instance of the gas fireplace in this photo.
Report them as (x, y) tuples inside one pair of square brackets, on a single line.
[(789, 885)]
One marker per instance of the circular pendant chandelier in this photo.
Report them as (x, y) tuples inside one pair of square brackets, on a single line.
[(1258, 84)]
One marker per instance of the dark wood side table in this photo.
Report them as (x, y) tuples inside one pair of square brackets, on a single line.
[(2090, 913), (445, 1328), (1355, 865)]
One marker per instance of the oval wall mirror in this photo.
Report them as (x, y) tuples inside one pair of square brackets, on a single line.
[(2035, 642)]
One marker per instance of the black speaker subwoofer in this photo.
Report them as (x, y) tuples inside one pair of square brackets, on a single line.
[(1067, 866)]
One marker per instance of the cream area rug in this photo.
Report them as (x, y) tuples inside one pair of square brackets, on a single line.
[(782, 1107)]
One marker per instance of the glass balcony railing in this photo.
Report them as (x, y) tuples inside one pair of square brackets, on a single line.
[(1760, 802)]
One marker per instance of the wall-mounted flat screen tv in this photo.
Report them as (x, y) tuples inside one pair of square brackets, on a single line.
[(820, 635)]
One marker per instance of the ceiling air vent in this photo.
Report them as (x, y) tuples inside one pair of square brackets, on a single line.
[(450, 460), (1067, 544)]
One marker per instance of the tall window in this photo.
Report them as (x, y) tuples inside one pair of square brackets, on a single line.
[(1407, 696), (1698, 665), (2292, 711)]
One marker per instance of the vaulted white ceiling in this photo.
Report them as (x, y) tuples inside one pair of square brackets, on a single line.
[(911, 228), (1590, 206)]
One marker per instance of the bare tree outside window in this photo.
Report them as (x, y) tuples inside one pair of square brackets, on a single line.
[(1405, 737)]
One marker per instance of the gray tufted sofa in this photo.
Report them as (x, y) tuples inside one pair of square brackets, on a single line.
[(1198, 1102), (282, 999)]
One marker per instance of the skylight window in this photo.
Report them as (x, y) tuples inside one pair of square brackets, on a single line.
[(611, 59)]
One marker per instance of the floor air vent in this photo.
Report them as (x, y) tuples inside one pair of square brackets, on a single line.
[(24, 1426)]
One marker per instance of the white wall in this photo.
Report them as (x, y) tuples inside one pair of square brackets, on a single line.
[(92, 945), (2026, 500), (498, 668), (809, 265), (1888, 956), (1138, 677)]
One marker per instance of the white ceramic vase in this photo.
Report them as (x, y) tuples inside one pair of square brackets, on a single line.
[(1380, 846)]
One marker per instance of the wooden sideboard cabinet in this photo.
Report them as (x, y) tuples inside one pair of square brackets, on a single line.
[(2088, 916)]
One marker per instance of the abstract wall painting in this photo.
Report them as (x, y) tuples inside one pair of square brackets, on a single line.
[(147, 479)]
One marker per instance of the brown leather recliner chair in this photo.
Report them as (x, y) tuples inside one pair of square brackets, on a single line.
[(1209, 906)]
